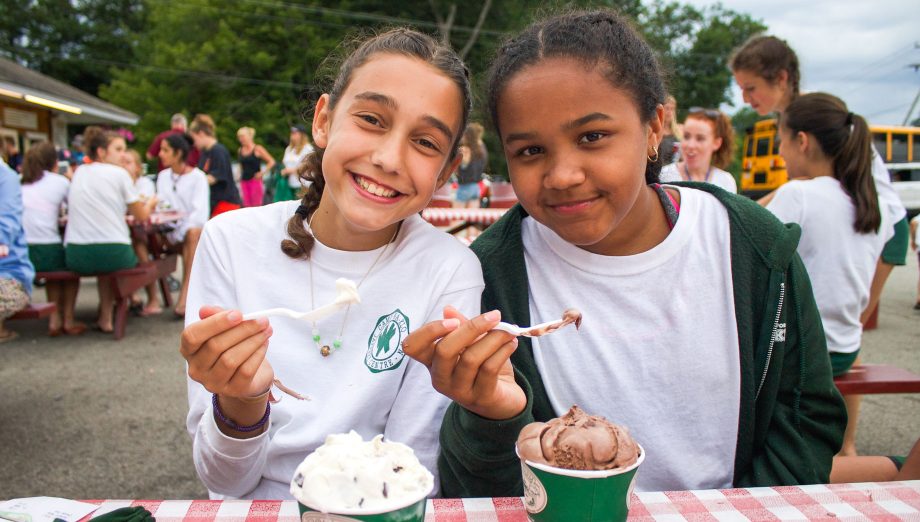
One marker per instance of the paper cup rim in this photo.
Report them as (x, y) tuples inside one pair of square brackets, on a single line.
[(374, 511), (578, 473)]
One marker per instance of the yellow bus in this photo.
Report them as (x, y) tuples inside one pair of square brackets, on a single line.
[(763, 169)]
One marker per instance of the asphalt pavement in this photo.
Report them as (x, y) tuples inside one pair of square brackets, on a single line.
[(88, 417)]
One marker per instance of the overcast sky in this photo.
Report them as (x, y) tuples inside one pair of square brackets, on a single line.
[(859, 50)]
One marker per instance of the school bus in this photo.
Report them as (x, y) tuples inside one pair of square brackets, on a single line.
[(763, 169)]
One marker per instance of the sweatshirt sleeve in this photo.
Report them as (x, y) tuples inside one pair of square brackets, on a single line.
[(478, 456), (226, 465), (805, 429), (10, 206)]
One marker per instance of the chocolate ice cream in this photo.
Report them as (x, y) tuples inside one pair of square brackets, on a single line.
[(578, 441)]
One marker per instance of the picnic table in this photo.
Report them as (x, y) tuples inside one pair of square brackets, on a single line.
[(838, 502), (479, 218)]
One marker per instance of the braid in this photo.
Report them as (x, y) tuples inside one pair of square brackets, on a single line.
[(302, 240)]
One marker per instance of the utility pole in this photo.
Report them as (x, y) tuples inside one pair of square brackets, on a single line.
[(916, 67)]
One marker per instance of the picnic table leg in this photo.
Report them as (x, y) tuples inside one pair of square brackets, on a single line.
[(121, 317), (164, 289)]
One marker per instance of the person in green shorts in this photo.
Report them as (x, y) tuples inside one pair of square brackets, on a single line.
[(44, 192), (97, 238)]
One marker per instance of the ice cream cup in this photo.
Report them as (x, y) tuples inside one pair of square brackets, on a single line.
[(412, 511), (552, 493)]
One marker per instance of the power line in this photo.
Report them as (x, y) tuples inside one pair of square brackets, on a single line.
[(881, 62)]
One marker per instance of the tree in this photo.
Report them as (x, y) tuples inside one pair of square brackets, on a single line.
[(75, 41), (256, 62), (695, 46)]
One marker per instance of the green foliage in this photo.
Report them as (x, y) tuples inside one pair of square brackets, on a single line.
[(695, 46), (75, 41), (257, 62)]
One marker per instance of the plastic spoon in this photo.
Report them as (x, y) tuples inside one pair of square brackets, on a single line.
[(569, 316)]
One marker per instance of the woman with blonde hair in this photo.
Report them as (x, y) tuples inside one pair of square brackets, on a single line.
[(673, 133), (251, 156)]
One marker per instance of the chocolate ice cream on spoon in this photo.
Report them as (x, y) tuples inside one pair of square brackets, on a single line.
[(570, 316)]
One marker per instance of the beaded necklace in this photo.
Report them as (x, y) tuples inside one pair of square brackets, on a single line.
[(324, 349)]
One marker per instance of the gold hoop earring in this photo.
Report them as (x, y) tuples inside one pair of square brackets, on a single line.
[(651, 159)]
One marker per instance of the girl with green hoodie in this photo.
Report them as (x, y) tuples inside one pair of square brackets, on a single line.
[(700, 330)]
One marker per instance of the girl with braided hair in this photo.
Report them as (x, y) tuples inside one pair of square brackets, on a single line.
[(386, 135)]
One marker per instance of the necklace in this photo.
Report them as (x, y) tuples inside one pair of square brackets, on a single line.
[(324, 349), (690, 178)]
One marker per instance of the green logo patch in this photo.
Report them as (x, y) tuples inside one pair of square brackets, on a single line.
[(384, 347)]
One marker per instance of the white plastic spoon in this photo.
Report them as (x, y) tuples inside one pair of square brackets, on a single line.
[(346, 294), (568, 317)]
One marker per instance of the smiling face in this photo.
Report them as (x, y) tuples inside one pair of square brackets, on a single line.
[(761, 94), (577, 150), (699, 143), (388, 142)]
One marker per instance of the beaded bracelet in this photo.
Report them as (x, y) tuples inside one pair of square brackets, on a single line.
[(236, 427)]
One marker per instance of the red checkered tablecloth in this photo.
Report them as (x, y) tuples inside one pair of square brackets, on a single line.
[(839, 502), (442, 216)]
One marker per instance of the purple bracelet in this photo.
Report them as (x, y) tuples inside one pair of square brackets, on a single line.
[(234, 426)]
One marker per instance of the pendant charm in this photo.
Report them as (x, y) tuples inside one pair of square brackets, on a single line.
[(325, 350)]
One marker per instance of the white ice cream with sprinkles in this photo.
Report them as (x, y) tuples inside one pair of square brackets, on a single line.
[(347, 473)]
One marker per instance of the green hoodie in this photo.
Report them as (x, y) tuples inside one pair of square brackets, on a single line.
[(791, 418)]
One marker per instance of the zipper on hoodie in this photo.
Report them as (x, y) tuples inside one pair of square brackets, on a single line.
[(779, 310)]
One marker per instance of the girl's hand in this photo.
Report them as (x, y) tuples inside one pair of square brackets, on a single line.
[(259, 175), (4, 250), (227, 355), (469, 363)]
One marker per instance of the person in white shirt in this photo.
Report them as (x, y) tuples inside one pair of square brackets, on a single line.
[(832, 196), (145, 189), (44, 193), (294, 155), (97, 239), (767, 71), (184, 188), (705, 149), (383, 146), (914, 225)]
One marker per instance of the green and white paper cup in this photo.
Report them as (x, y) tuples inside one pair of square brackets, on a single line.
[(552, 494), (413, 511)]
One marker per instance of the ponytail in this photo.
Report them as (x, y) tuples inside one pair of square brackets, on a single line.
[(853, 167), (38, 159), (844, 137)]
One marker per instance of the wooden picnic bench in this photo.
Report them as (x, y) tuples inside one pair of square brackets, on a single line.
[(866, 379), (34, 311), (124, 284)]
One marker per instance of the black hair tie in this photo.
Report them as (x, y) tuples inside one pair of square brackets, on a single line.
[(303, 212), (849, 119)]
